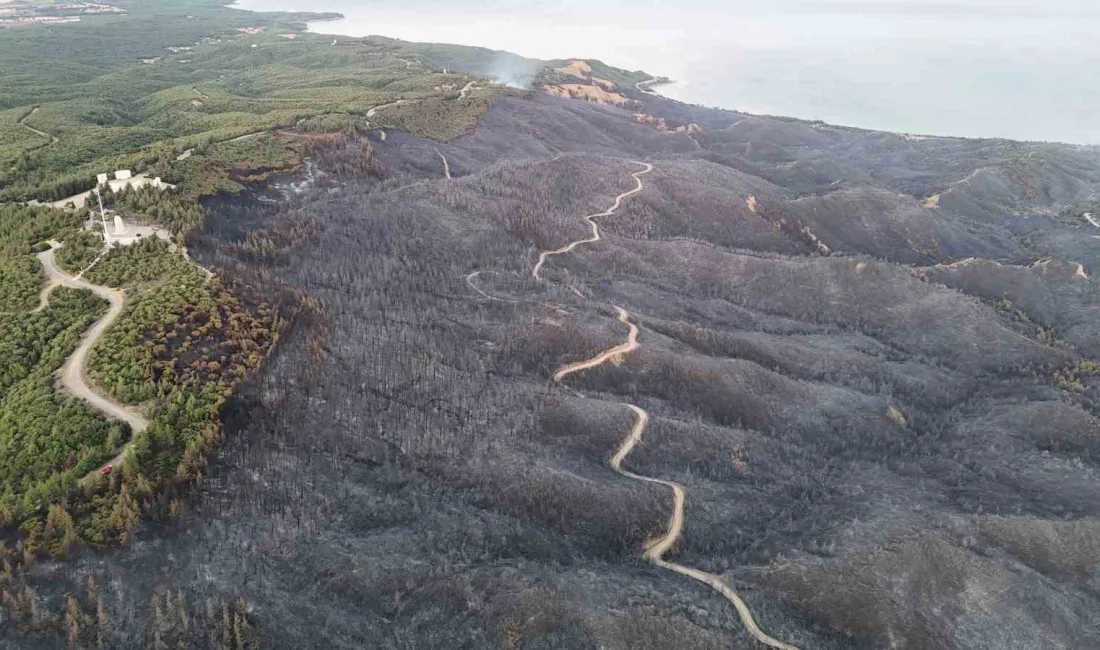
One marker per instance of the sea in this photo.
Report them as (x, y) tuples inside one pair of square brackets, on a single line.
[(1019, 69)]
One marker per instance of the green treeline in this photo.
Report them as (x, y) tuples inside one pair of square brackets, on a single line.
[(47, 440), (167, 208), (145, 261), (23, 231), (230, 111)]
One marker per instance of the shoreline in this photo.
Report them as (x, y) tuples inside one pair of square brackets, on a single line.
[(650, 84), (316, 24), (648, 87)]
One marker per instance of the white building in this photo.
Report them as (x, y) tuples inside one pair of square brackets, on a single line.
[(123, 175), (123, 234), (101, 178)]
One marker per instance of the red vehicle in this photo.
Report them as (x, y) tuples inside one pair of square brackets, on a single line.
[(106, 470)]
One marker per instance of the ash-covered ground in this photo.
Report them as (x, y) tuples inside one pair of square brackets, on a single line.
[(866, 356)]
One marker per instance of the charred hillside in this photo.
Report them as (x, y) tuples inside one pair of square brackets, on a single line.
[(870, 359)]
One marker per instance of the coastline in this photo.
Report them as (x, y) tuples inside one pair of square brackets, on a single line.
[(649, 85), (707, 87), (315, 20)]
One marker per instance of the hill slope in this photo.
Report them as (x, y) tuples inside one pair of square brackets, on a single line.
[(882, 441)]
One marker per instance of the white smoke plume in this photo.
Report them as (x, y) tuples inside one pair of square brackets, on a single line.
[(513, 71)]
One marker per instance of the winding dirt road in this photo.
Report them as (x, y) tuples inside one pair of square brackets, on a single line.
[(656, 549), (50, 139), (647, 86), (23, 122), (591, 219), (372, 112), (72, 372), (247, 136), (470, 283), (621, 349)]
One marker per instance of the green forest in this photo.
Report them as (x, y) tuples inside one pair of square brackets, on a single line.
[(86, 86), (48, 441), (177, 351), (227, 109), (23, 232), (221, 110)]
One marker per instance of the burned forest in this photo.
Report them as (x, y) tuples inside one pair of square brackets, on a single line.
[(869, 360)]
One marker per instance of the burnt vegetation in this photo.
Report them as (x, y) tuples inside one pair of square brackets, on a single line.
[(882, 442)]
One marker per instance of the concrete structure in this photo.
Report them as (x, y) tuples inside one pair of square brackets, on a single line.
[(103, 218), (101, 179), (78, 200), (123, 175), (125, 235)]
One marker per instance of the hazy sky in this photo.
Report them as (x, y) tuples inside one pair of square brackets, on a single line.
[(962, 67)]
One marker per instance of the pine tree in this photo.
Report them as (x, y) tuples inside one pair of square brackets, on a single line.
[(60, 533), (74, 622), (125, 515)]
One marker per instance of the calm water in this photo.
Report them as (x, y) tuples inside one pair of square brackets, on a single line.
[(1004, 68)]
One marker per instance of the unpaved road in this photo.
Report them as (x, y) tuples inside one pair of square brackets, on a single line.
[(446, 165), (470, 283), (371, 113), (208, 272), (23, 122), (44, 295), (621, 349), (934, 200), (72, 372), (655, 550), (462, 94), (248, 136), (592, 221), (646, 86)]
